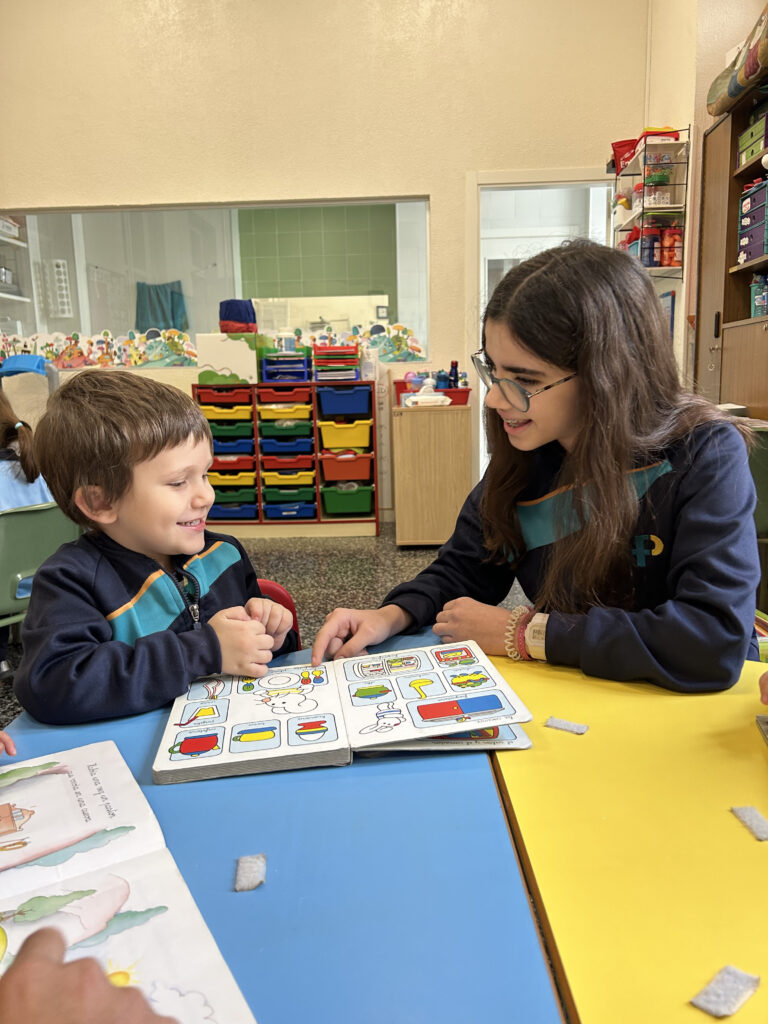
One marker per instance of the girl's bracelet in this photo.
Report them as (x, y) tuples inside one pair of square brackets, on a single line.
[(514, 634)]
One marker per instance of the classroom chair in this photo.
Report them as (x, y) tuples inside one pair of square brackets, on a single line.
[(277, 592), (27, 537)]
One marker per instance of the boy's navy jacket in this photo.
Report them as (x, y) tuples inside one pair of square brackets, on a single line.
[(689, 622), (109, 632)]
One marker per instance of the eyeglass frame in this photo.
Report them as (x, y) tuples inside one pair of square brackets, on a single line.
[(489, 379)]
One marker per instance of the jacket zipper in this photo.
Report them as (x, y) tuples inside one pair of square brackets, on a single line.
[(192, 606)]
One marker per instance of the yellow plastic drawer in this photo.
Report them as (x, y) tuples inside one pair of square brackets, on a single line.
[(232, 412), (356, 434), (284, 411), (231, 479), (304, 476)]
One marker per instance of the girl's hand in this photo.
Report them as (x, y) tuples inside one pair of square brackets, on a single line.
[(349, 631), (7, 744), (274, 617), (466, 619)]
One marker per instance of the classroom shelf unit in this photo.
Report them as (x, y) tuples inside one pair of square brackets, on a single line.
[(287, 453)]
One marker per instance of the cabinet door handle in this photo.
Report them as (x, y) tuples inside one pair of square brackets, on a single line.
[(716, 328), (714, 348)]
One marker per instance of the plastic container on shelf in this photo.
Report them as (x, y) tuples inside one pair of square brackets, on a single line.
[(671, 251), (235, 511), (352, 499), (458, 396), (280, 463), (228, 431), (288, 494), (234, 495), (287, 445), (346, 466), (232, 479), (284, 411), (292, 510), (224, 395), (286, 394), (650, 247), (356, 434), (242, 445), (231, 412), (298, 479), (231, 462), (286, 428), (354, 400)]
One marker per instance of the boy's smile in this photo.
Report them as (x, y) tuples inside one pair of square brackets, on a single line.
[(164, 511)]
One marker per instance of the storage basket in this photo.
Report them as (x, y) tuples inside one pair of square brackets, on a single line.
[(246, 511), (224, 395), (298, 479), (243, 445), (287, 445), (356, 434), (286, 428), (351, 466), (292, 510), (231, 412), (232, 479), (284, 411), (288, 494), (349, 401), (355, 499)]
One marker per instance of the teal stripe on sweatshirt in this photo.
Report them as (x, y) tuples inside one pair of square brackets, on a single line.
[(159, 603), (545, 520)]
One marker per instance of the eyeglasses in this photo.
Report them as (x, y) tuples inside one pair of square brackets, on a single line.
[(517, 396)]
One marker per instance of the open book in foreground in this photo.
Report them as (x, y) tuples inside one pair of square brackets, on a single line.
[(81, 851), (298, 716)]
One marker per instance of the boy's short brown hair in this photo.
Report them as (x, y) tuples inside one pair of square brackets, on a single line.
[(101, 423)]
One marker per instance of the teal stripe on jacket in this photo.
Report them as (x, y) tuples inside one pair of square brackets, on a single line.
[(552, 517), (158, 603)]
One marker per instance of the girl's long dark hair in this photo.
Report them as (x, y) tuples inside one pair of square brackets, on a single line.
[(13, 429), (587, 308)]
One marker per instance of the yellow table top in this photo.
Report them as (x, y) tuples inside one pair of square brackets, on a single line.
[(648, 882)]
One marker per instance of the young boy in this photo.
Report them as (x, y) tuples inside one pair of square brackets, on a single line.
[(122, 619)]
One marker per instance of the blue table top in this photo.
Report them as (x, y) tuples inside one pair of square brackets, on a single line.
[(393, 892)]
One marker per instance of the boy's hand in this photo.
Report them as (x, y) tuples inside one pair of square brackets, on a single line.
[(6, 743), (274, 617), (349, 631), (246, 649)]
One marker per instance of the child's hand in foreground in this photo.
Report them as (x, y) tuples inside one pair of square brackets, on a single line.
[(274, 617), (7, 744), (763, 684), (246, 648)]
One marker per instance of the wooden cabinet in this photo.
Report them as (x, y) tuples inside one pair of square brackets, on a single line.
[(744, 366), (731, 359), (432, 467)]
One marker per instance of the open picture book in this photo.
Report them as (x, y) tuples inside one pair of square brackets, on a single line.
[(296, 716), (81, 851)]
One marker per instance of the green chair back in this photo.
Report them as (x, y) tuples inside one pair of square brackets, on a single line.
[(27, 537)]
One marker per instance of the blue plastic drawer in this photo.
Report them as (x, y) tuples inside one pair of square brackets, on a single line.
[(354, 401), (290, 510), (273, 370), (242, 511), (243, 446), (287, 446)]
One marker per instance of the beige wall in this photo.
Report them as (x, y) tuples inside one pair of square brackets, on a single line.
[(141, 102)]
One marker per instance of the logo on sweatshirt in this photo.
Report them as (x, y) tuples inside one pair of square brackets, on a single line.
[(645, 545)]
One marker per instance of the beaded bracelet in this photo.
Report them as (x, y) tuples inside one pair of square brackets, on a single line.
[(514, 634)]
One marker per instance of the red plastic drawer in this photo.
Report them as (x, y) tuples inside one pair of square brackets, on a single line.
[(297, 462), (295, 395), (225, 396)]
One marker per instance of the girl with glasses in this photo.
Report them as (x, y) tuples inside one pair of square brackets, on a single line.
[(621, 504)]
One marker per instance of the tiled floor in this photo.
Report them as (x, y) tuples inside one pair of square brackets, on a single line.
[(320, 574)]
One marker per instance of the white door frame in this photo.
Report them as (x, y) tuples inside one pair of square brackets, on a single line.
[(475, 182)]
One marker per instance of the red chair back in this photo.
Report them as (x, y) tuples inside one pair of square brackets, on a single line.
[(277, 592)]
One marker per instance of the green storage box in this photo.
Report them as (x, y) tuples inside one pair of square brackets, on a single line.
[(286, 428), (281, 494), (347, 501)]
